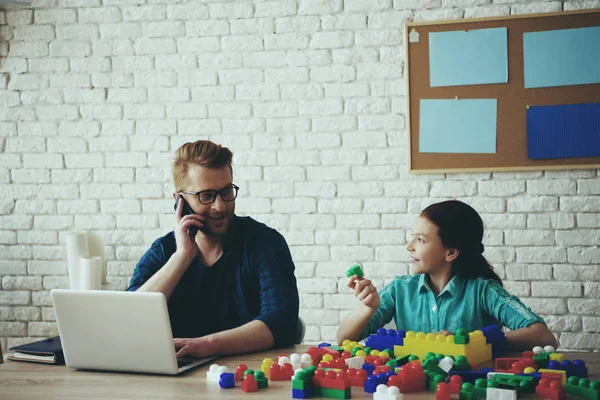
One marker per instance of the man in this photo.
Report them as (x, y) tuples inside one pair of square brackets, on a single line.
[(231, 287)]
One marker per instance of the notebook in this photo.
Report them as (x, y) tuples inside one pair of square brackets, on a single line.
[(48, 351)]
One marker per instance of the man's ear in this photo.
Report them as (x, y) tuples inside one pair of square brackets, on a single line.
[(451, 254)]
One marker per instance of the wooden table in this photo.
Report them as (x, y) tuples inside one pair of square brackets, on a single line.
[(21, 380)]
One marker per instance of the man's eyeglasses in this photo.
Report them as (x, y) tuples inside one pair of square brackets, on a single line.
[(228, 193)]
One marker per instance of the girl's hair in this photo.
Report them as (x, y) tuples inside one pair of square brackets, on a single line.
[(460, 227)]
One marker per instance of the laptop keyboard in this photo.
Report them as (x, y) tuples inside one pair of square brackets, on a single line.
[(182, 362)]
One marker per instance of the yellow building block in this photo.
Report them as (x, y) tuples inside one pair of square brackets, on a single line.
[(563, 374), (418, 343), (557, 357)]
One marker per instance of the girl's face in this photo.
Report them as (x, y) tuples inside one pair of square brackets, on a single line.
[(427, 253)]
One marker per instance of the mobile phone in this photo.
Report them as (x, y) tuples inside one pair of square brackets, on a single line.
[(187, 210)]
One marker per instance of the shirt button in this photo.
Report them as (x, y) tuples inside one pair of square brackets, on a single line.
[(434, 308)]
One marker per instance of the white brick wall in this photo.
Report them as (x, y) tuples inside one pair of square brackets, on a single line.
[(309, 94)]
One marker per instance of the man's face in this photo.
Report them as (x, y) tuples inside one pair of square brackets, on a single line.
[(219, 214)]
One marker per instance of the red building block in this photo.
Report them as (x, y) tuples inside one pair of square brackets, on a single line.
[(357, 377), (331, 379), (316, 355), (281, 372), (442, 391), (550, 389), (455, 384), (411, 378), (346, 355), (239, 372), (249, 384), (328, 350), (381, 368), (340, 363)]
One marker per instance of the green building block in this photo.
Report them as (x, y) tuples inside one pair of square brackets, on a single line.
[(583, 387), (461, 364), (431, 364), (521, 384), (331, 393), (481, 386), (301, 384), (461, 336), (433, 382), (467, 392), (261, 380), (412, 357), (542, 359), (355, 270)]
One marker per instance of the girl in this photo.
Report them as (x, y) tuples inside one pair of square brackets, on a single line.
[(453, 286)]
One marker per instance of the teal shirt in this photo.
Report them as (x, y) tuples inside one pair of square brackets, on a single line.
[(464, 303)]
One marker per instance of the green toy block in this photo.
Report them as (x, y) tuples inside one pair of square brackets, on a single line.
[(461, 364), (481, 386), (368, 350), (433, 382), (331, 393), (261, 380), (412, 357), (461, 336), (431, 364), (355, 270), (301, 384), (583, 387), (542, 359), (336, 348), (521, 384), (400, 361), (467, 392), (392, 363)]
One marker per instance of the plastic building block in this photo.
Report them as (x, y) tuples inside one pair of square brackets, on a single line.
[(384, 392), (461, 364), (302, 394), (385, 339), (336, 364), (455, 384), (261, 380), (357, 376), (214, 372), (355, 270), (411, 378), (239, 372), (557, 357), (249, 384), (442, 392), (418, 343), (550, 389), (227, 380), (324, 344), (583, 387), (432, 364), (295, 360), (332, 393), (433, 380), (481, 386), (467, 392), (305, 360), (266, 364), (331, 380), (375, 380), (494, 336), (281, 372), (461, 336), (471, 376), (355, 362), (519, 383), (506, 363), (542, 359), (500, 394), (446, 364), (560, 373), (369, 368)]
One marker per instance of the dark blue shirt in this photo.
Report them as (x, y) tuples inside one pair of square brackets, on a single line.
[(253, 280)]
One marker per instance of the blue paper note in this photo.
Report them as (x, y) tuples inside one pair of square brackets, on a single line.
[(458, 126), (473, 57), (562, 57), (563, 131)]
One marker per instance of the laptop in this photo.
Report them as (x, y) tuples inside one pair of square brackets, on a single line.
[(118, 331)]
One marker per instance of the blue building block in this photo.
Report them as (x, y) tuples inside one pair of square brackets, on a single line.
[(472, 376), (575, 368), (385, 339), (302, 394), (227, 380), (494, 336), (324, 344), (374, 380), (369, 368)]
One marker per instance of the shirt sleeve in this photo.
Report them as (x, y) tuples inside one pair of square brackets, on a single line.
[(279, 301), (508, 309), (385, 312), (149, 264)]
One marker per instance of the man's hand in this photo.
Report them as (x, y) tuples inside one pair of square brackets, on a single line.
[(186, 244), (195, 347), (364, 291)]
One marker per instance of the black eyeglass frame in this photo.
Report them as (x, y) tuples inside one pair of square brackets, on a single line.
[(215, 193)]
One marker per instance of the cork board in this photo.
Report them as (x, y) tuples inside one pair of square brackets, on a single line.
[(513, 98)]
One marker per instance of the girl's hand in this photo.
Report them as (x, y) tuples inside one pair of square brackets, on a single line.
[(364, 291), (445, 332)]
